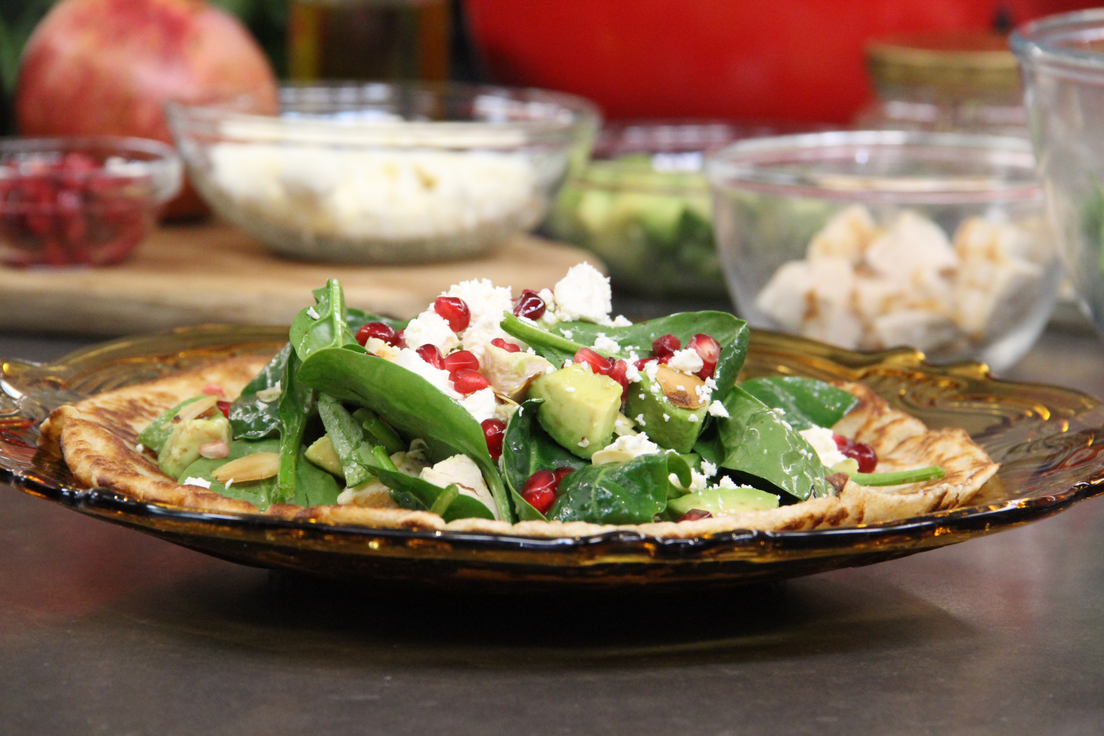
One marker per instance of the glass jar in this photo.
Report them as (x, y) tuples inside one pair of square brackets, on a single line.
[(962, 81), (380, 40)]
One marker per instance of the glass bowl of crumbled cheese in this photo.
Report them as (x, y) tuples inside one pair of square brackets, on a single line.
[(877, 239), (386, 173)]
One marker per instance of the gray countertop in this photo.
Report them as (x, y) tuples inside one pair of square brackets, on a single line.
[(104, 630)]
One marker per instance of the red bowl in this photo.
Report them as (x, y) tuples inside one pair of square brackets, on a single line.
[(781, 61)]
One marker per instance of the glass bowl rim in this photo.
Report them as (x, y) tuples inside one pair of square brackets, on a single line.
[(1033, 41), (749, 165), (157, 165), (581, 113)]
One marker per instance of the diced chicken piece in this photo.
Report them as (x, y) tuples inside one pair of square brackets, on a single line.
[(987, 293), (370, 494), (917, 328), (462, 470), (845, 236), (784, 297), (912, 244), (511, 373)]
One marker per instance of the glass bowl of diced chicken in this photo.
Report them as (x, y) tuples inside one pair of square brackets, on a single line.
[(385, 173), (871, 240)]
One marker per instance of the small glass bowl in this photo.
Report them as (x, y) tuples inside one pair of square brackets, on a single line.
[(642, 205), (86, 201), (386, 173), (1062, 60), (874, 239)]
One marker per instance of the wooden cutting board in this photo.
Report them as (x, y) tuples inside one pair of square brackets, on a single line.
[(195, 274)]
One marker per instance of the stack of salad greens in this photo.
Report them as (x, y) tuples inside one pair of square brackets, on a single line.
[(325, 391)]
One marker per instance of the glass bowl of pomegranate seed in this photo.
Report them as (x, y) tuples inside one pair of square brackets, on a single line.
[(385, 173), (870, 240), (81, 201)]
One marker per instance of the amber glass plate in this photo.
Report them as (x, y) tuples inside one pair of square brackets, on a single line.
[(1048, 440)]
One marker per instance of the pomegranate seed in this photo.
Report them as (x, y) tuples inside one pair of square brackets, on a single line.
[(380, 331), (695, 514), (459, 360), (861, 452), (709, 350), (509, 347), (454, 311), (666, 346), (529, 305), (560, 473), (540, 490), (224, 407), (598, 364), (493, 431), (619, 373), (467, 381), (430, 354)]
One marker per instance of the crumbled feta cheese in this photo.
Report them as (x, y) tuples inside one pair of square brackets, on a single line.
[(202, 483), (632, 374), (583, 294), (584, 442), (693, 419), (708, 469), (568, 334), (312, 313), (392, 195), (717, 409), (605, 344), (480, 404), (570, 389), (487, 304), (410, 360), (430, 328), (686, 361), (625, 448), (821, 440), (640, 418), (666, 417), (620, 321), (698, 481), (140, 447)]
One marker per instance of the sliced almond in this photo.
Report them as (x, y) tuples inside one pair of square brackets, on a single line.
[(679, 388), (258, 466), (197, 408)]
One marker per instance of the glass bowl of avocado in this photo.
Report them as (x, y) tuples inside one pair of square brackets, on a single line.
[(642, 205)]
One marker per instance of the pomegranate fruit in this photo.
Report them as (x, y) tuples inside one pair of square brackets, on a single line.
[(106, 67)]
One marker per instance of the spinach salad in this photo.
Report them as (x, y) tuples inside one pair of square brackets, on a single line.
[(534, 408)]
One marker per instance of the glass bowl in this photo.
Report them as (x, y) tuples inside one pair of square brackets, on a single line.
[(386, 173), (642, 205), (81, 201), (1062, 60), (873, 239)]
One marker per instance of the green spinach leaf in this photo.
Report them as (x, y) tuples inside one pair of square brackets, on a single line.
[(314, 486), (297, 403), (410, 404), (805, 402), (252, 417), (347, 438), (323, 325), (427, 494), (632, 492), (759, 444)]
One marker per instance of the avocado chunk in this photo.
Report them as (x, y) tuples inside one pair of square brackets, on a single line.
[(669, 425), (322, 453), (724, 501), (580, 408), (181, 448)]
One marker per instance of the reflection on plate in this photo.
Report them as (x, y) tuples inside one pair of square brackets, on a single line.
[(1048, 440)]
